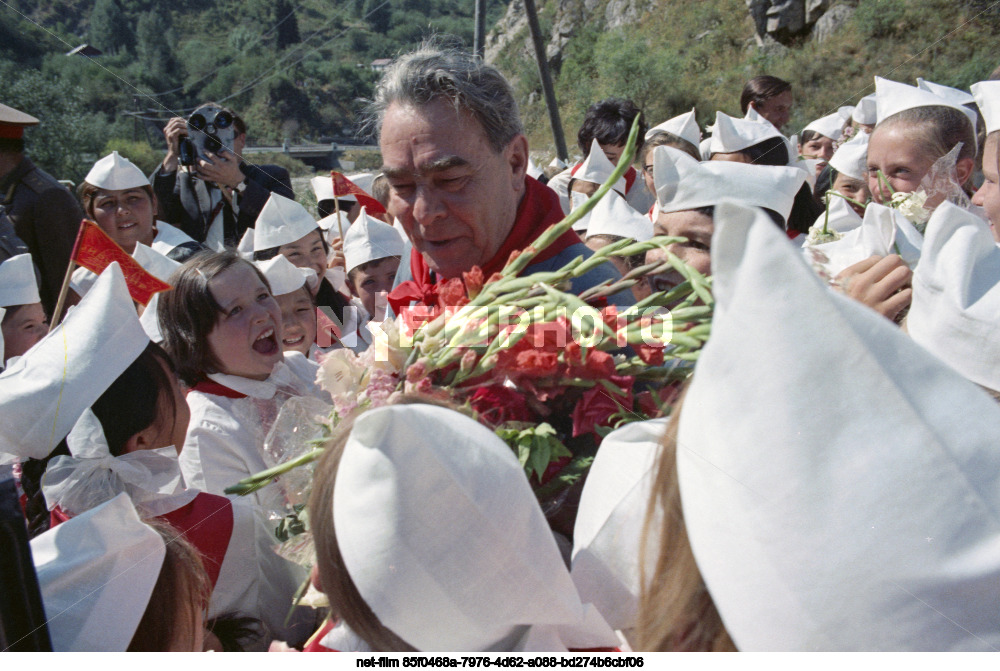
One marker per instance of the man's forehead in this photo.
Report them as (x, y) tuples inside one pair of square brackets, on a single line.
[(430, 137), (438, 164)]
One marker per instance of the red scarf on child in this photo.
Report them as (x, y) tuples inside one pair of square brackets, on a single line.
[(538, 210)]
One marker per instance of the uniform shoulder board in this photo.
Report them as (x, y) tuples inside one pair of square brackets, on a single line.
[(40, 182)]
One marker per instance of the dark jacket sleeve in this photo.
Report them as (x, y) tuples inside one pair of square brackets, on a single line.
[(56, 215), (261, 181), (168, 200)]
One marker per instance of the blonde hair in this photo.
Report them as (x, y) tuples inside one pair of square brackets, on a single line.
[(939, 129), (676, 612)]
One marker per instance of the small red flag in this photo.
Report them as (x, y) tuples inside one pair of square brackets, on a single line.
[(95, 251), (345, 187), (327, 331)]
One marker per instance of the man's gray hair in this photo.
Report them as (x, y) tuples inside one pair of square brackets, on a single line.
[(434, 71)]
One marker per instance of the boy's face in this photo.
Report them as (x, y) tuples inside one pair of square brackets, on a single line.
[(368, 284)]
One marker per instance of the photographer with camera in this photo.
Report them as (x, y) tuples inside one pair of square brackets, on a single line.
[(204, 187)]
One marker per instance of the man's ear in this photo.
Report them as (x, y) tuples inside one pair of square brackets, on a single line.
[(516, 154), (964, 168)]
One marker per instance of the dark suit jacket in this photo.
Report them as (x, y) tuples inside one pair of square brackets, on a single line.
[(179, 204), (47, 218)]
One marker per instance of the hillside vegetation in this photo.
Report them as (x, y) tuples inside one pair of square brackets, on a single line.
[(685, 54), (296, 69)]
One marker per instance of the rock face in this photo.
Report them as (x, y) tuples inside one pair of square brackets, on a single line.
[(831, 22), (626, 12), (783, 20), (776, 22)]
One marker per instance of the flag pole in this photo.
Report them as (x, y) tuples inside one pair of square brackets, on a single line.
[(336, 208), (64, 289)]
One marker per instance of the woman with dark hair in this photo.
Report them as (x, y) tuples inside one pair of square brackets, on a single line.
[(119, 197), (769, 97)]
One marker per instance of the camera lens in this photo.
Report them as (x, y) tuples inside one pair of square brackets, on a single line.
[(212, 144), (197, 122), (223, 120)]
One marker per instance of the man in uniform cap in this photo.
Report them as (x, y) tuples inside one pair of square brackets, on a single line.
[(44, 213)]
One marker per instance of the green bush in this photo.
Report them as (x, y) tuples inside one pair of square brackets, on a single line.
[(881, 18)]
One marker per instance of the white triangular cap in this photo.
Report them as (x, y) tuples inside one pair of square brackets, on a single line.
[(150, 320), (893, 97), (581, 224), (329, 224), (845, 112), (952, 95), (883, 231), (684, 126), (533, 170), (609, 523), (612, 215), (705, 148), (281, 221), (370, 239), (558, 163), (43, 393), (596, 168), (830, 126), (730, 134), (754, 115), (96, 573), (987, 96), (683, 183), (855, 506), (851, 158), (445, 507), (866, 111), (115, 172), (842, 217), (322, 186), (156, 264), (245, 246), (17, 282), (955, 311), (284, 276)]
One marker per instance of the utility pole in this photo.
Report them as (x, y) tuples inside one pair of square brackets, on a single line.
[(543, 73), (479, 43)]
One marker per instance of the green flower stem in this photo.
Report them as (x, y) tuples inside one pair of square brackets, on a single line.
[(264, 478), (553, 232), (849, 200), (885, 182)]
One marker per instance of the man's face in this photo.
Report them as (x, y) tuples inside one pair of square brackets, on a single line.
[(454, 196), (777, 110)]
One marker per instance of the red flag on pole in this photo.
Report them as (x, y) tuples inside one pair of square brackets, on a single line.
[(345, 187), (95, 251)]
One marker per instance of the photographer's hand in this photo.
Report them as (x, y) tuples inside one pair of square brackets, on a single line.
[(224, 169), (175, 129)]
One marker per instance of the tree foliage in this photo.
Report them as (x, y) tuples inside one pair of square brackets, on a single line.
[(110, 29)]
